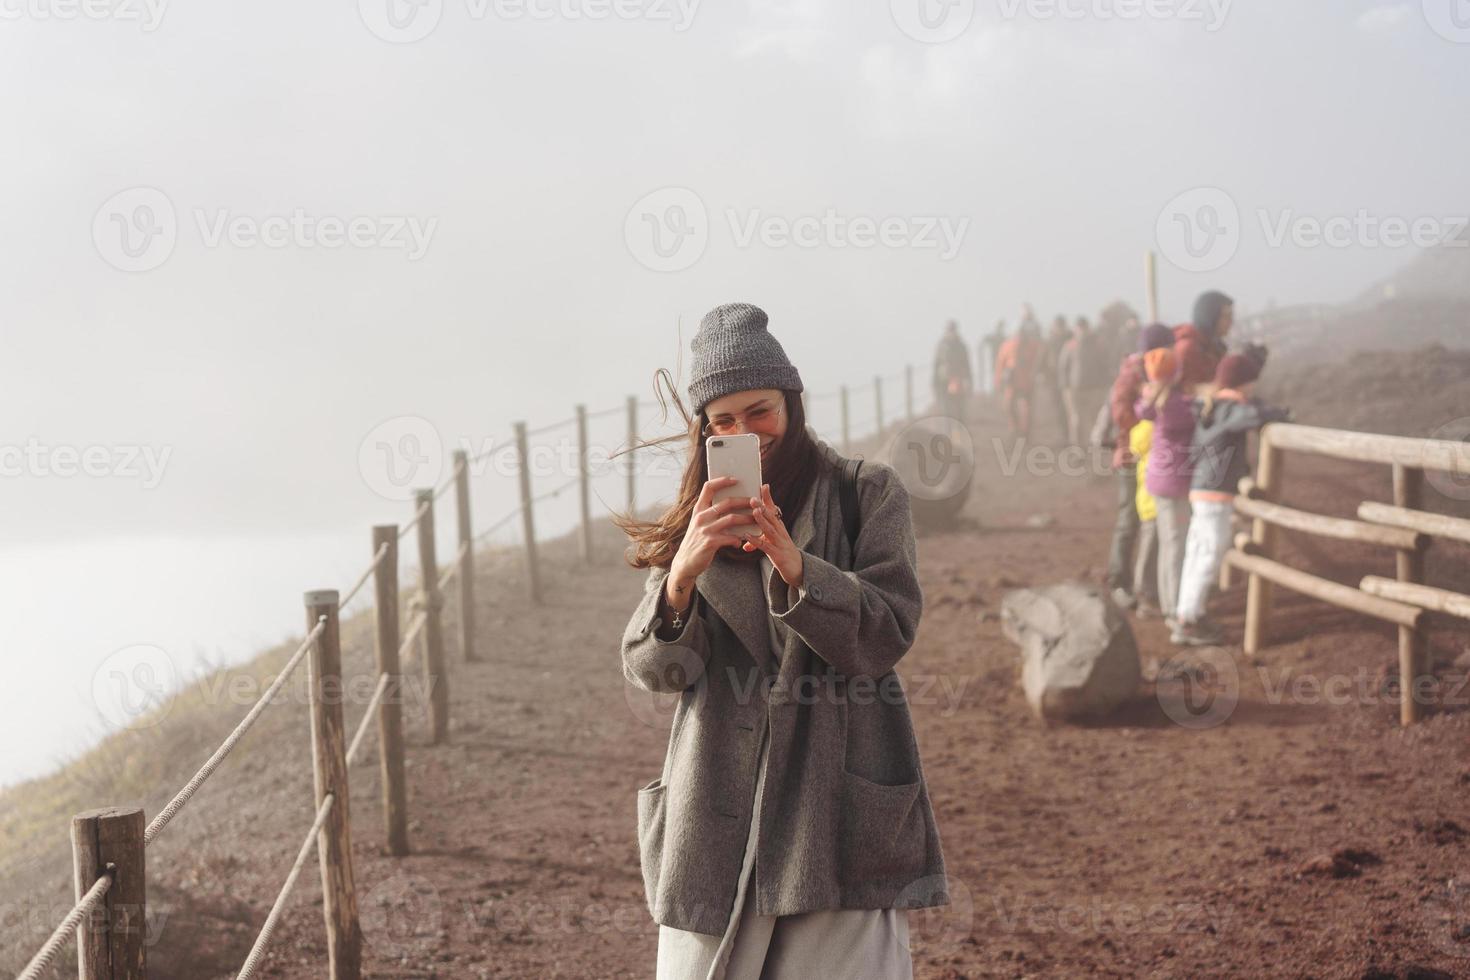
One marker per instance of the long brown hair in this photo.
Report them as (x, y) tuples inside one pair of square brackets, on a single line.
[(792, 470)]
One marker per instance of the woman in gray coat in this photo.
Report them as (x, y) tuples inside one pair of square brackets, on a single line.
[(791, 829)]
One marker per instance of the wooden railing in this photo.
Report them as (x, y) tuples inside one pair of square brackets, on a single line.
[(1403, 526)]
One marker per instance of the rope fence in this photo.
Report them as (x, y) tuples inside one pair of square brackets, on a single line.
[(68, 926), (262, 941), (205, 771)]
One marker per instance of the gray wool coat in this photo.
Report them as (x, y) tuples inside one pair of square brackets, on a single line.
[(846, 821)]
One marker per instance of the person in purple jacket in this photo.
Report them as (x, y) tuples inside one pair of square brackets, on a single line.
[(1169, 467)]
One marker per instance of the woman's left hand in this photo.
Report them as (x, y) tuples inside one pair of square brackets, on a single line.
[(774, 539)]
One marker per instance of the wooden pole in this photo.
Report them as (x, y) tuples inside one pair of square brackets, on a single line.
[(632, 441), (908, 390), (1151, 285), (1408, 493), (846, 431), (329, 756), (436, 676), (112, 941), (584, 476), (1327, 590), (878, 400), (528, 522), (390, 710), (1341, 528), (466, 556), (1436, 525), (1269, 476), (1425, 596)]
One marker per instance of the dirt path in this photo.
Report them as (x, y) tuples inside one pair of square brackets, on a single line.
[(1142, 848)]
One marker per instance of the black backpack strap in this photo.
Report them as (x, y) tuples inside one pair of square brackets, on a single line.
[(847, 497)]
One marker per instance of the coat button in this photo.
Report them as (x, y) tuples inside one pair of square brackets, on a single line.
[(815, 592)]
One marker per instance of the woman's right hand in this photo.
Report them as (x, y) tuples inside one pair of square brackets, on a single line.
[(708, 532)]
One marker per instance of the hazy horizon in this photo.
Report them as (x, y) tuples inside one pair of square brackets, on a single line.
[(245, 243)]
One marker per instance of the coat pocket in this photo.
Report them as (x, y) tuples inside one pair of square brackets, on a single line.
[(884, 834), (651, 814)]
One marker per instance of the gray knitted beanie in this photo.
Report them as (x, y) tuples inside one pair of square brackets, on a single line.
[(733, 351)]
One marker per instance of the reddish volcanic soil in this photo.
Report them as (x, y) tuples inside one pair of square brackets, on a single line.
[(1300, 834)]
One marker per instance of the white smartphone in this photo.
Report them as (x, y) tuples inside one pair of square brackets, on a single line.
[(738, 456)]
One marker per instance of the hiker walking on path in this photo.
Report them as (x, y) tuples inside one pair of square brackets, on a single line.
[(1226, 418), (1049, 371), (1078, 374), (1121, 399), (953, 382), (989, 349), (1015, 376), (791, 823)]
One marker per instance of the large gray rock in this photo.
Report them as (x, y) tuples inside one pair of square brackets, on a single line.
[(1079, 659)]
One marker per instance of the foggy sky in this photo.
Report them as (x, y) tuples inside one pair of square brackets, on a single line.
[(528, 141)]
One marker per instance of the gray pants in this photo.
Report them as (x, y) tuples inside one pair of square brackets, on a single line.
[(855, 944), (1173, 528), (1146, 565)]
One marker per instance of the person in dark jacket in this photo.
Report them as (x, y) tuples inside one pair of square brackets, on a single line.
[(1049, 371), (1226, 418), (1200, 345), (1125, 391), (953, 382)]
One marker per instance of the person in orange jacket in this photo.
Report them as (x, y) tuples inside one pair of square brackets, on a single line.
[(1015, 375)]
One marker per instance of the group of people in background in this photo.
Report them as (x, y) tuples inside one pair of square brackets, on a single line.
[(1175, 406)]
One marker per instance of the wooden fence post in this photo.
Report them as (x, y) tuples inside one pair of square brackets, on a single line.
[(1269, 476), (1408, 491), (585, 476), (528, 522), (435, 673), (846, 431), (390, 710), (329, 757), (112, 940), (632, 441), (908, 390), (466, 556), (878, 400)]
